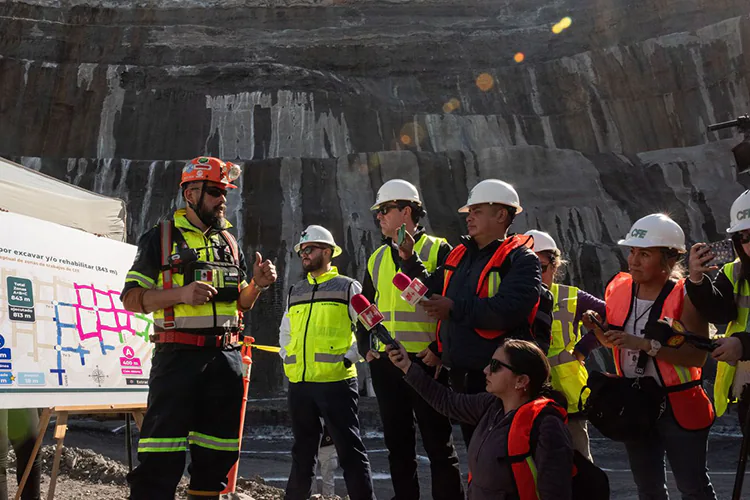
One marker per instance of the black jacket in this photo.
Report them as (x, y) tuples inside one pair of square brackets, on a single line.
[(715, 302), (508, 310)]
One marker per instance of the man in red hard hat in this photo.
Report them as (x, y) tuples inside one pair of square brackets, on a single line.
[(191, 274)]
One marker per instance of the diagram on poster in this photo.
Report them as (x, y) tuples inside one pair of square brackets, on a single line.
[(65, 337)]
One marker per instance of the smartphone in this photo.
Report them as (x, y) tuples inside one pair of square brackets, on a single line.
[(401, 234), (723, 253), (597, 322)]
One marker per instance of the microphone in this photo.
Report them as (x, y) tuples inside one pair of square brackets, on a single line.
[(372, 319), (412, 290)]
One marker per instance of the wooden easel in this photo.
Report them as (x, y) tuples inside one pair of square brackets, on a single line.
[(61, 427)]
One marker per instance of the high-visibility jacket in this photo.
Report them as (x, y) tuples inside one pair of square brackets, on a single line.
[(689, 402), (724, 371), (490, 278), (410, 325), (212, 317), (519, 444), (568, 375), (321, 330)]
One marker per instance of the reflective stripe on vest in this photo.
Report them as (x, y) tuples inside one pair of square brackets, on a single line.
[(489, 280), (725, 372), (321, 329), (223, 315), (411, 326), (519, 445), (690, 405), (568, 375)]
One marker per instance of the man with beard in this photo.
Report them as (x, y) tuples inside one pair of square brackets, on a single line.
[(319, 350), (190, 273)]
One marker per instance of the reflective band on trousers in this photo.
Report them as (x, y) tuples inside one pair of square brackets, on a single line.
[(162, 445), (213, 442)]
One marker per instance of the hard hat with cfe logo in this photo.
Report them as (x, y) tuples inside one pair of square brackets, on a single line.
[(208, 168), (493, 191), (655, 230), (318, 234), (396, 190), (739, 215)]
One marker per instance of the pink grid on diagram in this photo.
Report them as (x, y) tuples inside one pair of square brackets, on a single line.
[(99, 309)]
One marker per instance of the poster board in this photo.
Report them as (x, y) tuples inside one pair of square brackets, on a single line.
[(65, 338)]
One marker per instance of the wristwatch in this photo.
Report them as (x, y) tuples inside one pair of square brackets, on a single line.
[(258, 287), (655, 346)]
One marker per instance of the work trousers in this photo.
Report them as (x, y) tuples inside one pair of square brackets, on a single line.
[(468, 382), (20, 428), (335, 403), (401, 411), (194, 402), (686, 451)]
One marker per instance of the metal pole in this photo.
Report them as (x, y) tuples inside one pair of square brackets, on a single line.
[(129, 442), (742, 464)]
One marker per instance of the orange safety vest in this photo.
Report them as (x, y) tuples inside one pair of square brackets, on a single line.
[(519, 445), (689, 402), (483, 285)]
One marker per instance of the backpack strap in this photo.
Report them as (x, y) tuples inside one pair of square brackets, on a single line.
[(233, 246), (165, 230)]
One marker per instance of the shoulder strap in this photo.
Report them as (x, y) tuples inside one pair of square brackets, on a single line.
[(654, 315), (166, 227), (233, 246)]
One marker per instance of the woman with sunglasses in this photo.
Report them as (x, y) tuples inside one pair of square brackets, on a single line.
[(503, 462), (726, 300), (652, 290), (568, 349)]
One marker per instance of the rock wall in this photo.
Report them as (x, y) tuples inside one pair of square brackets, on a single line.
[(321, 101)]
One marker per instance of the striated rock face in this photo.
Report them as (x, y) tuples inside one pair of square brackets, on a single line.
[(323, 100)]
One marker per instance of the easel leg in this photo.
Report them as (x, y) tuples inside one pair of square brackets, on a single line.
[(60, 429), (43, 423)]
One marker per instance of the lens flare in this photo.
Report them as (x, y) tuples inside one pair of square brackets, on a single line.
[(519, 57), (485, 82)]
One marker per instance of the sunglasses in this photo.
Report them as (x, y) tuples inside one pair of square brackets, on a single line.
[(496, 364), (545, 266), (214, 191), (384, 209), (308, 250), (744, 237)]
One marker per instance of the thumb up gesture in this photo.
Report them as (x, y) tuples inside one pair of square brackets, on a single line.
[(264, 272)]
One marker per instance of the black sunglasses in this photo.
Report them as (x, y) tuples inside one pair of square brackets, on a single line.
[(545, 266), (384, 209), (496, 364), (744, 237), (214, 191), (308, 250)]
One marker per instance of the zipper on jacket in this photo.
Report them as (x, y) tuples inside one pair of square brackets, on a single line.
[(304, 338), (487, 434)]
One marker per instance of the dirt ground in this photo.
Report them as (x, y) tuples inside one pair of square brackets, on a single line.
[(94, 464)]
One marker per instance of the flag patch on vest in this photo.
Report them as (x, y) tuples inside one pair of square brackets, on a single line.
[(206, 275)]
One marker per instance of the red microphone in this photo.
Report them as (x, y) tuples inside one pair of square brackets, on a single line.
[(372, 319), (412, 290)]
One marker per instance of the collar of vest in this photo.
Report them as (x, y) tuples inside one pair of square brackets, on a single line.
[(328, 275), (181, 221), (387, 240)]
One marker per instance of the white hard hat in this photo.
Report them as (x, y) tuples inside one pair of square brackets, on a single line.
[(493, 191), (655, 230), (318, 234), (739, 214), (396, 190), (542, 241)]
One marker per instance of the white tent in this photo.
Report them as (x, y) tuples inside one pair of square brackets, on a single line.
[(28, 192)]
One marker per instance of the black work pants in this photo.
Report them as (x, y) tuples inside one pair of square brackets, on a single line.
[(194, 402), (468, 382), (335, 403), (400, 406), (20, 427)]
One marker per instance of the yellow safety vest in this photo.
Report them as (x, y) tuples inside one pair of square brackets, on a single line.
[(410, 325), (724, 371), (568, 375), (321, 329), (212, 315)]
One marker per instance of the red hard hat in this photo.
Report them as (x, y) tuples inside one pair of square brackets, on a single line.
[(208, 168)]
